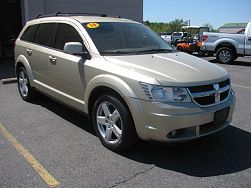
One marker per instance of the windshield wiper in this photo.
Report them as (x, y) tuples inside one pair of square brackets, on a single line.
[(136, 51), (157, 50), (117, 52)]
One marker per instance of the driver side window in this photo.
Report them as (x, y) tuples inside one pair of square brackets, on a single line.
[(66, 33)]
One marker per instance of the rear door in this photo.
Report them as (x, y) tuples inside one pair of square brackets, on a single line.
[(41, 51), (27, 43), (248, 41)]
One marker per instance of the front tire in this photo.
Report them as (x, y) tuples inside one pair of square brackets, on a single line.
[(113, 123), (201, 53), (225, 55), (25, 90)]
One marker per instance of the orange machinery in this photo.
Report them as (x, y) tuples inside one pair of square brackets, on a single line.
[(193, 41)]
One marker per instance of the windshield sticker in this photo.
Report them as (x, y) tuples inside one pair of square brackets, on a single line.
[(92, 25)]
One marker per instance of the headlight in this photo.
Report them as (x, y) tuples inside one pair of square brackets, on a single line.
[(165, 94)]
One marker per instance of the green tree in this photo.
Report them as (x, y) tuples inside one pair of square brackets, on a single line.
[(170, 27), (176, 25)]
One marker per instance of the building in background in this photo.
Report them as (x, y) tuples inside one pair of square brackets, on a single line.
[(15, 13), (233, 28)]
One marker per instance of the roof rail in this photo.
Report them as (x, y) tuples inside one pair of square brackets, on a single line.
[(70, 14)]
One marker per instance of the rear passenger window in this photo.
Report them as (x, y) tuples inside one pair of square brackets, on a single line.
[(45, 33), (66, 33), (29, 33)]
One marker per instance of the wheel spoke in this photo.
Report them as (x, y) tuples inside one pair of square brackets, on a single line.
[(22, 89), (108, 134), (101, 120), (106, 110), (25, 81), (25, 90), (115, 116), (116, 131), (20, 80)]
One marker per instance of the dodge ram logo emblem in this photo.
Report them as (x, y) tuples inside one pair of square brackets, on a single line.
[(217, 92)]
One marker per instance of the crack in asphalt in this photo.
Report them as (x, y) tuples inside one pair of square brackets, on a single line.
[(132, 177)]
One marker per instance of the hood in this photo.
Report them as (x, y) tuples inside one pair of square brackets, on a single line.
[(172, 69)]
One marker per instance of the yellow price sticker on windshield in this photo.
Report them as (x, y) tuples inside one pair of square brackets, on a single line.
[(92, 25)]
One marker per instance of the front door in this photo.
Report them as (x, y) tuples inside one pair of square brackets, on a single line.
[(67, 71)]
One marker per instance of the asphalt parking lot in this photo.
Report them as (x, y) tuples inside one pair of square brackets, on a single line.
[(47, 144)]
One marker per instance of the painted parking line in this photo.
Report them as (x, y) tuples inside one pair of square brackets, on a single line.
[(246, 87), (51, 181)]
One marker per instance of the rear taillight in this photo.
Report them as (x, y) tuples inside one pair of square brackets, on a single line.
[(204, 37)]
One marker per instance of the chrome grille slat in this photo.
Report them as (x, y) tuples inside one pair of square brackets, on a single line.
[(210, 93), (219, 94)]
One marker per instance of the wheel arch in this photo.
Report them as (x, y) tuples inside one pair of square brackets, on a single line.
[(22, 61), (226, 44), (106, 84)]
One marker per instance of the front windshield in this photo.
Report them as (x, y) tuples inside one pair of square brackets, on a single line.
[(125, 38)]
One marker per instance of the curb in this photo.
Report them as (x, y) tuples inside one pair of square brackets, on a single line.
[(9, 80)]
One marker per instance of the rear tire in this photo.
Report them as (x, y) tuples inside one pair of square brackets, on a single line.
[(113, 123), (25, 90), (225, 55)]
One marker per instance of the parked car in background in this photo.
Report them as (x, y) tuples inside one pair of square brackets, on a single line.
[(177, 36), (166, 36), (227, 47), (130, 82)]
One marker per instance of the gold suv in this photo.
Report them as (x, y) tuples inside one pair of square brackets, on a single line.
[(130, 82)]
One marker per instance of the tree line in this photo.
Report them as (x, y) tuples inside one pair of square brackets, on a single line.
[(172, 26)]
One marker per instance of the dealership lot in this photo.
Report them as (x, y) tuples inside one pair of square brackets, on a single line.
[(66, 152)]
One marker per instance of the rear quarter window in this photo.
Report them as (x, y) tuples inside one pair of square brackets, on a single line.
[(45, 34), (29, 33)]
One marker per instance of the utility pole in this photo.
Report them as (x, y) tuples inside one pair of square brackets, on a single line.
[(188, 21)]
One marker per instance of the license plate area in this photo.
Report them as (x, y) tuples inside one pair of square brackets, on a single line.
[(221, 116)]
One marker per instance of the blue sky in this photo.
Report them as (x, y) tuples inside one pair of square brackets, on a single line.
[(215, 12)]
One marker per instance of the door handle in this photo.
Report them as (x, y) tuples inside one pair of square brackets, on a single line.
[(29, 51), (52, 59)]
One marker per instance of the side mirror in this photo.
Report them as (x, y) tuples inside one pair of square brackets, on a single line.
[(76, 48)]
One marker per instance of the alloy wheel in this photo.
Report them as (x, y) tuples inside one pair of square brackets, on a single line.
[(109, 122), (225, 56), (23, 84)]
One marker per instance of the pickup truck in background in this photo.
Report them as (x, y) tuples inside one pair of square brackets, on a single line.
[(227, 47)]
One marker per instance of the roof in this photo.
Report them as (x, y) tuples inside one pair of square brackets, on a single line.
[(193, 27), (234, 25), (82, 19)]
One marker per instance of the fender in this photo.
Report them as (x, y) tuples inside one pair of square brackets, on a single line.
[(23, 60), (226, 40), (126, 92), (109, 81)]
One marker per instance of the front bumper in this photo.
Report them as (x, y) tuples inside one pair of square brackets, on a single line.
[(177, 121)]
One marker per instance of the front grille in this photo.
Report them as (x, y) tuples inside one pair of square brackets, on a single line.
[(205, 100), (202, 88), (210, 94)]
